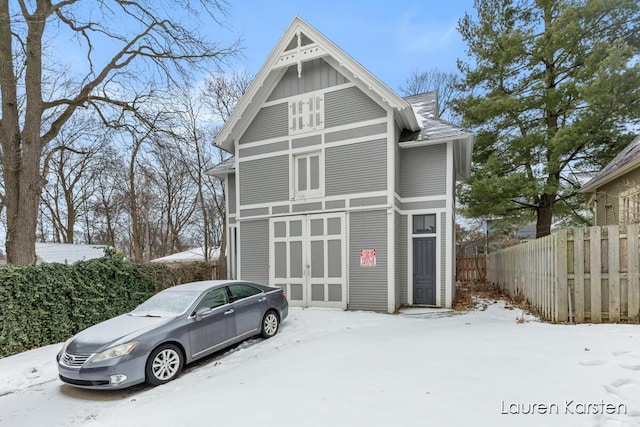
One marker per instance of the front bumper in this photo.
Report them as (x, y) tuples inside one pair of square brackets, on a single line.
[(97, 376)]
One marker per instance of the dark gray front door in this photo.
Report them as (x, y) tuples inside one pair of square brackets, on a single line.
[(424, 270)]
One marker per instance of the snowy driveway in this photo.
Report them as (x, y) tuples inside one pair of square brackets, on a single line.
[(334, 368)]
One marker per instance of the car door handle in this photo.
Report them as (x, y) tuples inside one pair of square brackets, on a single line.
[(226, 313), (263, 299)]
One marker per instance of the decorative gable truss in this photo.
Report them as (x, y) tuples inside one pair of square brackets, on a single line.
[(300, 44), (300, 49), (306, 114)]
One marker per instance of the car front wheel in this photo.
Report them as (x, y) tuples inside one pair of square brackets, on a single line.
[(270, 324), (164, 364)]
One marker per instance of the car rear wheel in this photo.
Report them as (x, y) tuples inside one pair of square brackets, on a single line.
[(164, 364), (270, 324)]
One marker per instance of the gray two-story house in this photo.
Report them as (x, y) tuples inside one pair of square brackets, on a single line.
[(339, 190)]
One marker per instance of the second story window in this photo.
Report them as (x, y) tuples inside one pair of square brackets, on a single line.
[(307, 179), (306, 113)]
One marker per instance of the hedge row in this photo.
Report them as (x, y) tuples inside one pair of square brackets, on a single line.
[(48, 303)]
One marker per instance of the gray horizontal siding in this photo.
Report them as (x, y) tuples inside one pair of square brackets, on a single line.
[(306, 141), (254, 212), (304, 207), (356, 168), (264, 149), (270, 122), (349, 105), (429, 204), (423, 171), (368, 285), (356, 132), (254, 247), (280, 209), (401, 258), (264, 180), (316, 75), (231, 196), (334, 204), (367, 201)]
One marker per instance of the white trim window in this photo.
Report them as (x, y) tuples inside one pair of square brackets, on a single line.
[(308, 175), (630, 206), (306, 114), (424, 224)]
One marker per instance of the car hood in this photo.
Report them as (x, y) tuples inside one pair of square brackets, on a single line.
[(112, 332)]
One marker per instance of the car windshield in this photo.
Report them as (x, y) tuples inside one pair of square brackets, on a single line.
[(166, 304)]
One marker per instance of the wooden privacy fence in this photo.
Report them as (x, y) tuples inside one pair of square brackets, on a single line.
[(581, 274), (470, 268)]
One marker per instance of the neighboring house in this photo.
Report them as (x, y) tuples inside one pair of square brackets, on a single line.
[(616, 189), (67, 253), (340, 191), (191, 255)]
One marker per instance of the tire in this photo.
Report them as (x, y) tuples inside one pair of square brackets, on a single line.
[(164, 364), (270, 324)]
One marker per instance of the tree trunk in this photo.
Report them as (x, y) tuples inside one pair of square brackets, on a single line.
[(545, 215), (23, 196), (222, 258), (22, 150)]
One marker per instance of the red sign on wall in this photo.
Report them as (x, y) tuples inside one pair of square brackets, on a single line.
[(367, 257)]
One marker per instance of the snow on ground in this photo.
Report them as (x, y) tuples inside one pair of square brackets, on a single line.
[(335, 368)]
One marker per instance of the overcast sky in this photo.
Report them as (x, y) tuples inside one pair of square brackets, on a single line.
[(390, 38)]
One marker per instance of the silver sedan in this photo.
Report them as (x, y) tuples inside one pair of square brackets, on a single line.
[(172, 328)]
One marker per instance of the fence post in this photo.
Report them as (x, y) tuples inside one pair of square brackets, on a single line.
[(614, 273), (562, 302), (595, 274), (633, 276), (578, 268)]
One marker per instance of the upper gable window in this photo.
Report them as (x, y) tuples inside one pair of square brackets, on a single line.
[(630, 206), (306, 113)]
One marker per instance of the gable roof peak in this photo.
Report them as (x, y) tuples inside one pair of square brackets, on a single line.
[(300, 43)]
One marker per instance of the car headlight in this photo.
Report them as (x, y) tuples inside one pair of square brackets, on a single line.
[(64, 346), (117, 351)]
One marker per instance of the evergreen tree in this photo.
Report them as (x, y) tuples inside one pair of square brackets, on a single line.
[(552, 89)]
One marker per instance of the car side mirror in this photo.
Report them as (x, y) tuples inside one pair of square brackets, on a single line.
[(203, 312)]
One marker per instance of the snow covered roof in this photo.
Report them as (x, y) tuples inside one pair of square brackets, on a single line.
[(223, 168), (627, 159), (432, 127), (195, 254), (68, 253), (433, 130)]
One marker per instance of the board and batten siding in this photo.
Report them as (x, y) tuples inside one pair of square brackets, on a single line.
[(608, 197), (401, 258), (356, 168), (368, 288), (397, 149), (264, 180), (350, 105), (316, 75), (231, 190), (443, 259), (270, 122), (254, 246), (423, 171)]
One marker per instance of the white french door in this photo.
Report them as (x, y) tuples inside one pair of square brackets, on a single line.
[(307, 255)]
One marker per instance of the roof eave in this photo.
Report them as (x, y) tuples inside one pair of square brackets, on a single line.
[(593, 185)]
